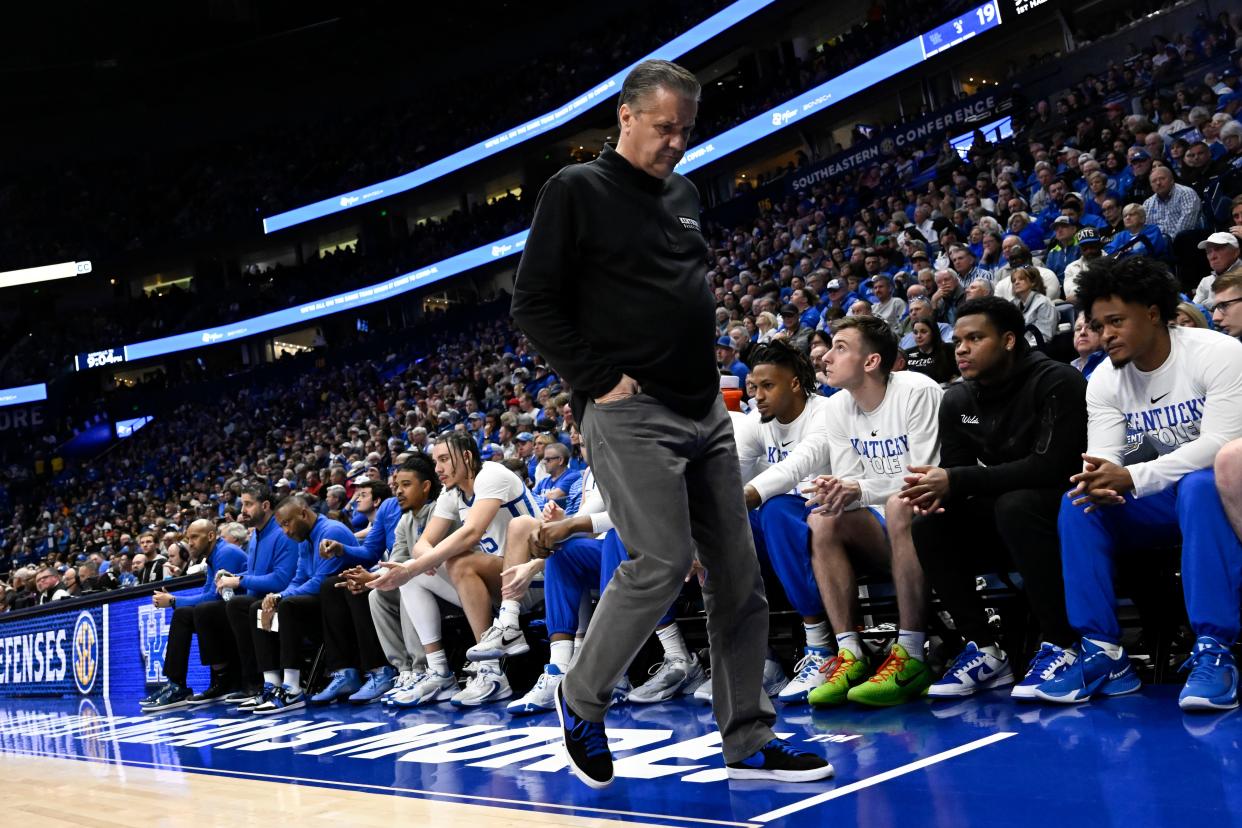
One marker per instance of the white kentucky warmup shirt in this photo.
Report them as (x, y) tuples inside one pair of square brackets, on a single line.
[(1182, 413), (873, 448), (761, 447)]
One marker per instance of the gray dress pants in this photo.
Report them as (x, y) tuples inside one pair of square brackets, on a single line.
[(672, 485)]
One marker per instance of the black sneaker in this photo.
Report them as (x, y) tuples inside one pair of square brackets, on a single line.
[(216, 692), (174, 696), (153, 697), (778, 760), (245, 694), (586, 745)]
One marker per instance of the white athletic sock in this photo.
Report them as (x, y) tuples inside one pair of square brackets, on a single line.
[(272, 677), (437, 662), (562, 654), (912, 641), (509, 612), (851, 641), (993, 650), (293, 680), (1113, 650), (816, 635), (674, 645)]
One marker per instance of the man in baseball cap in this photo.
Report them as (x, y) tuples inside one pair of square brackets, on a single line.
[(1223, 257), (727, 361)]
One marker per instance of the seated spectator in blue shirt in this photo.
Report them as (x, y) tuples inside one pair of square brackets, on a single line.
[(560, 479), (1031, 234), (474, 421), (1065, 249), (367, 497), (1138, 238), (804, 299), (726, 359), (542, 379), (840, 296), (1085, 214)]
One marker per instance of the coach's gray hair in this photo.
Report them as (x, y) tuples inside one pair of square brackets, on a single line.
[(646, 77)]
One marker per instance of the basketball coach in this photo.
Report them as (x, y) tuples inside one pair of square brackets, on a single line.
[(612, 291)]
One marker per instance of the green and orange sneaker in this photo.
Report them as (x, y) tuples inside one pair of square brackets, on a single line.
[(901, 678), (841, 672)]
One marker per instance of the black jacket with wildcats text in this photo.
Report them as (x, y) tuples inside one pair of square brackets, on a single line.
[(613, 281)]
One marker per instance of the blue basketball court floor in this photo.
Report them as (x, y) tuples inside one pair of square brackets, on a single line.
[(987, 761)]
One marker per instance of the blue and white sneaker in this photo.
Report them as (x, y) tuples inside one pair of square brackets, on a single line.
[(973, 671), (379, 681), (488, 684), (542, 697), (1092, 673), (343, 683), (806, 676), (1213, 682), (1047, 664), (281, 700), (780, 761)]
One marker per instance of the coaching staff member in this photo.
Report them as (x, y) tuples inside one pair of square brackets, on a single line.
[(614, 249)]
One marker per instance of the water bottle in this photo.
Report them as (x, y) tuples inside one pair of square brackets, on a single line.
[(226, 593)]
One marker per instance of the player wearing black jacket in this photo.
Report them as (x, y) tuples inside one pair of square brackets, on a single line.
[(1011, 436)]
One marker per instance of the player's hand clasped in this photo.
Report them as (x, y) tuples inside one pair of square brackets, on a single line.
[(357, 580), (831, 494), (926, 489), (1100, 483)]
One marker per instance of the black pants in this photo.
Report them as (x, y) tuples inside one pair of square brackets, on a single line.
[(986, 534), (242, 612), (349, 637), (177, 652), (299, 619), (216, 647)]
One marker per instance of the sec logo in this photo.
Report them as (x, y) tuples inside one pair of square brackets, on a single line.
[(85, 652)]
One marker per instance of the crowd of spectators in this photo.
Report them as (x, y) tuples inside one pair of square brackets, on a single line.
[(1091, 173)]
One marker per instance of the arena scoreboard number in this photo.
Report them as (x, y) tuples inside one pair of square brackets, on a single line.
[(974, 22)]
